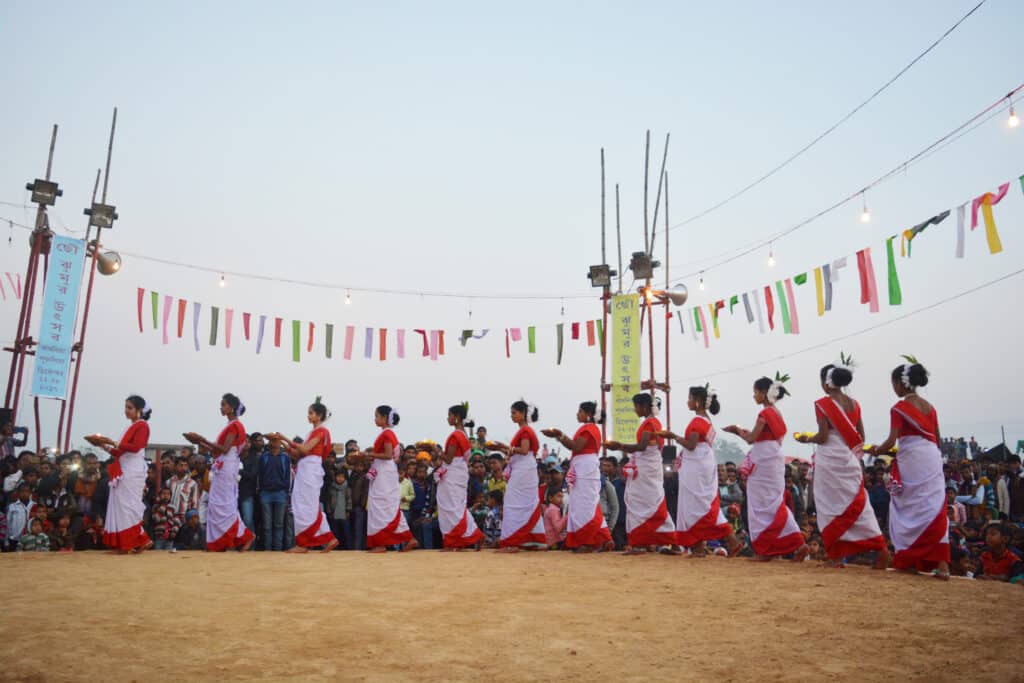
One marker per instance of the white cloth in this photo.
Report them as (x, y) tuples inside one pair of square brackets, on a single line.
[(522, 499), (451, 498), (18, 514), (222, 504), (837, 482), (382, 503), (124, 506), (310, 522), (765, 489), (584, 503), (698, 487), (924, 492), (645, 497)]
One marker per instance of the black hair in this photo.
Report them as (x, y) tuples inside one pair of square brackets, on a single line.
[(24, 485), (765, 383), (320, 409), (551, 493), (918, 376), (590, 408), (1004, 529), (140, 404), (841, 377), (496, 456), (30, 469), (235, 403), (388, 412), (1013, 459), (701, 394), (460, 411), (643, 400), (523, 407), (497, 495)]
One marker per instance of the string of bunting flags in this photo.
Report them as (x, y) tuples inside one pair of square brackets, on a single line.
[(169, 316), (762, 304), (13, 286)]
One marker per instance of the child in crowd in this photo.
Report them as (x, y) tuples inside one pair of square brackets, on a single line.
[(817, 553), (492, 521), (341, 504), (359, 489), (35, 540), (999, 563), (42, 513), (960, 563), (165, 522), (61, 538), (191, 536), (554, 521), (91, 537), (478, 508)]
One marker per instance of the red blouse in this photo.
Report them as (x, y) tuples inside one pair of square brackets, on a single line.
[(912, 422), (774, 425), (324, 447), (387, 437), (651, 424), (701, 426), (134, 440), (234, 427), (526, 436), (592, 439), (458, 439)]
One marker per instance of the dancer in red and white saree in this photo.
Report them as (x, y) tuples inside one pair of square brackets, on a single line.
[(122, 527), (647, 519), (224, 526), (385, 523), (918, 525), (586, 530), (699, 515), (458, 527), (522, 525), (773, 531), (846, 520), (312, 528)]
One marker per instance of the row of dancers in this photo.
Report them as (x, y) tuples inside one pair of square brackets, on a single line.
[(917, 519)]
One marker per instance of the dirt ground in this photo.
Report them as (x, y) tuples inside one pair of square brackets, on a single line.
[(484, 616)]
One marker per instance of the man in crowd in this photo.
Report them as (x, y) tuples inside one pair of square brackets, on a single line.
[(248, 479), (184, 490), (274, 481), (608, 498)]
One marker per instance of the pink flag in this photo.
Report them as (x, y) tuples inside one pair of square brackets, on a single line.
[(142, 295), (435, 341), (229, 317), (400, 343), (167, 313), (794, 322), (868, 286), (703, 325), (245, 325), (350, 332), (517, 334)]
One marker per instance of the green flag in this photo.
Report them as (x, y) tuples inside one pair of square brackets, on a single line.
[(531, 339), (214, 316), (156, 303), (330, 340), (787, 325), (296, 340), (560, 328), (895, 294), (800, 279)]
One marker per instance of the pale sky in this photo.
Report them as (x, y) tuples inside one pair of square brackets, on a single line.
[(455, 147)]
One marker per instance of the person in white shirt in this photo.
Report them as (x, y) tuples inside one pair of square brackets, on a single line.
[(18, 514)]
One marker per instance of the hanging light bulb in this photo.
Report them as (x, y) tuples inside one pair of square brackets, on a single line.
[(223, 282), (865, 215), (701, 283), (771, 257), (1014, 120), (348, 298)]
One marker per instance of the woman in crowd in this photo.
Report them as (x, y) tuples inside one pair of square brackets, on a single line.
[(846, 520), (313, 527), (122, 531), (224, 526), (918, 525), (458, 529), (699, 514), (647, 519), (587, 529), (522, 524), (385, 523), (773, 531)]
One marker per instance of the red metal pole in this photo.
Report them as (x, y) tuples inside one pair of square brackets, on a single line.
[(27, 340), (605, 298), (26, 307)]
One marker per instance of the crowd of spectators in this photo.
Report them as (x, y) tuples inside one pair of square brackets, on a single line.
[(57, 503)]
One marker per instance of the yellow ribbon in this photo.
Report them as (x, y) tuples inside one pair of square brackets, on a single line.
[(991, 234), (819, 291)]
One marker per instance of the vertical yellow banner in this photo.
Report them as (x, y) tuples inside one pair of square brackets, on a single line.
[(625, 365)]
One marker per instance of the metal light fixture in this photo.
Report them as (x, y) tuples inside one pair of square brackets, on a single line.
[(677, 296), (642, 265), (44, 192), (108, 263), (101, 215), (601, 275)]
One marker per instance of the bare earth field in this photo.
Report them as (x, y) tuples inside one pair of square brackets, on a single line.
[(483, 616)]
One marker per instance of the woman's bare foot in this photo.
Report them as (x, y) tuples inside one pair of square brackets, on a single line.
[(378, 549), (607, 547), (449, 550), (583, 549), (330, 546), (881, 559), (801, 554), (142, 548), (669, 550), (734, 547), (411, 545), (508, 549), (248, 545), (761, 558), (634, 551), (297, 550), (942, 572)]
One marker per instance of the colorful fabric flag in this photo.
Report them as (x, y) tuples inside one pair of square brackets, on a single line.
[(575, 331), (713, 308), (245, 325), (909, 235), (696, 319), (703, 325), (895, 295), (800, 279), (440, 342), (680, 319), (309, 338), (531, 339), (794, 319), (758, 310), (400, 343), (986, 202), (167, 314), (961, 215), (142, 295), (735, 299), (695, 327), (559, 331), (834, 271), (196, 307), (590, 333), (296, 341), (259, 333), (229, 316), (426, 346), (517, 334), (868, 286), (155, 299), (368, 344), (277, 332), (508, 347), (826, 272), (787, 326), (181, 316), (383, 344), (600, 333), (819, 291), (770, 305), (435, 343), (746, 307), (350, 333), (15, 282), (329, 341), (214, 318)]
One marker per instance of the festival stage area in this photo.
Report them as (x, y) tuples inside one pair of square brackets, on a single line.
[(483, 616)]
